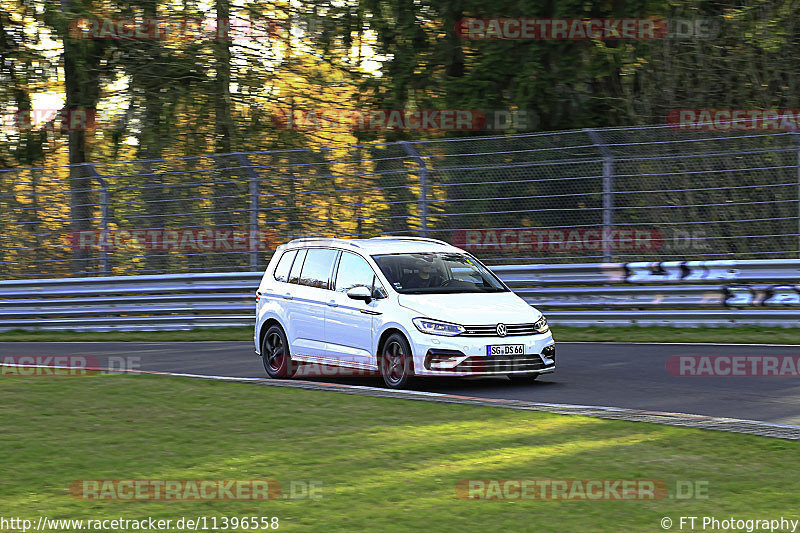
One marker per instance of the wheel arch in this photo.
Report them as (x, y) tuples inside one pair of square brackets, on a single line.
[(268, 323), (386, 334)]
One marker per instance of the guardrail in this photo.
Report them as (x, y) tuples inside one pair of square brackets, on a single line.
[(674, 293)]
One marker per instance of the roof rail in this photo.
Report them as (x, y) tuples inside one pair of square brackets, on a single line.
[(328, 239), (424, 239)]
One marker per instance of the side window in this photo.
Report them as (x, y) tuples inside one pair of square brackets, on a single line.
[(284, 264), (353, 271), (294, 275), (317, 267)]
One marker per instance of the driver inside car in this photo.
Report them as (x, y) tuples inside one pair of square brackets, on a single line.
[(426, 276)]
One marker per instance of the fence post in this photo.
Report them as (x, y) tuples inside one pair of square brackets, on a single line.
[(608, 191), (104, 201), (423, 186), (254, 189), (796, 134)]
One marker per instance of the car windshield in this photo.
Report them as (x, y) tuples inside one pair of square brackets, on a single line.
[(439, 273)]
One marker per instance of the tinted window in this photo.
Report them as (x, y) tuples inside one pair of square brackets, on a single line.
[(294, 276), (353, 271), (284, 264), (317, 267)]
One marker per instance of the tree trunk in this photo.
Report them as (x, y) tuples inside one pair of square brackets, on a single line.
[(82, 90)]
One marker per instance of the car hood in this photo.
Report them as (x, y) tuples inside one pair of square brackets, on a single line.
[(472, 308)]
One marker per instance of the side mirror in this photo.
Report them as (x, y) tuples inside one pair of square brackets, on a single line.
[(360, 293)]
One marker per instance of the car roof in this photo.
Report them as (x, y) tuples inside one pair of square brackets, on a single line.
[(378, 245)]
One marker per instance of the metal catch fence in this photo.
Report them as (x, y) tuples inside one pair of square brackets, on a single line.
[(607, 195)]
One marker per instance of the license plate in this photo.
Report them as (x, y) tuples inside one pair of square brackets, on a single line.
[(505, 349)]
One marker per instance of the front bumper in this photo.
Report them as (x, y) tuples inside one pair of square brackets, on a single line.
[(436, 355)]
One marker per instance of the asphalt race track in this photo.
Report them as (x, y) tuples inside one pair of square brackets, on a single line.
[(598, 374)]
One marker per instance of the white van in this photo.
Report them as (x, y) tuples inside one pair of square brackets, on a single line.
[(400, 306)]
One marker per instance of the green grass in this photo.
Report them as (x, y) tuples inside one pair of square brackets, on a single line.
[(561, 333), (384, 464)]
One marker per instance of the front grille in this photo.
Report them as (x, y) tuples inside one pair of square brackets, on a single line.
[(480, 365), (491, 330)]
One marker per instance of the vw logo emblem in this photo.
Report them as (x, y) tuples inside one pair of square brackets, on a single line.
[(501, 330)]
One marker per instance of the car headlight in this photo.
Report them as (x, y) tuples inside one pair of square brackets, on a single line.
[(541, 325), (435, 327)]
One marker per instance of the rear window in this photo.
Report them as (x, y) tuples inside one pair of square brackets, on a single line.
[(317, 267), (294, 275), (284, 265)]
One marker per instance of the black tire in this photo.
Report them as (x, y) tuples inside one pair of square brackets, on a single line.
[(275, 354), (522, 379), (396, 362)]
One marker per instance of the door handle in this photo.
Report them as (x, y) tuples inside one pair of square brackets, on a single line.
[(333, 303), (288, 296)]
